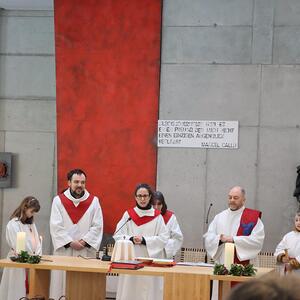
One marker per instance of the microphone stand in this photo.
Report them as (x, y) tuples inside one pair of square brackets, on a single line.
[(106, 256), (206, 227)]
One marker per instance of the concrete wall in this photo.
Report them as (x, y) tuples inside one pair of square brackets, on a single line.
[(27, 113), (232, 60)]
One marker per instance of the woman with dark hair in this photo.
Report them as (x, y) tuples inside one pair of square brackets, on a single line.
[(175, 234), (22, 220), (145, 227)]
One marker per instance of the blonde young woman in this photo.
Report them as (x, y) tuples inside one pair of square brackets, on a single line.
[(14, 281)]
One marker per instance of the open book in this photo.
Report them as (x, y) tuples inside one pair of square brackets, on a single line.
[(195, 264), (156, 261)]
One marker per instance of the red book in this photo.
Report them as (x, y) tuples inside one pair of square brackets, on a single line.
[(127, 264)]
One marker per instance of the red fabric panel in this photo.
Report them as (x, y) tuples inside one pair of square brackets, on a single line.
[(141, 220), (107, 78), (167, 216), (249, 219), (76, 212)]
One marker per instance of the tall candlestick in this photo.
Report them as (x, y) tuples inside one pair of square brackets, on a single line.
[(20, 245), (229, 255)]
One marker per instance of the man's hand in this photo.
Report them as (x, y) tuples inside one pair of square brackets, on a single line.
[(76, 245), (226, 238), (82, 242), (137, 239)]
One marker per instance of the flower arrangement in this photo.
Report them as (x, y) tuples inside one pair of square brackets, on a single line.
[(235, 270), (25, 257)]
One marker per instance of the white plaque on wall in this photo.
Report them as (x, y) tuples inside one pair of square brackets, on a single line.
[(198, 134)]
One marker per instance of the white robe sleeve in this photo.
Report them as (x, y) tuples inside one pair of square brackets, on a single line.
[(281, 246), (11, 233), (212, 239), (176, 237), (94, 236), (59, 233), (155, 244), (248, 247)]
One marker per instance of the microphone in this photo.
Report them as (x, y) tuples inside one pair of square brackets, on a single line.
[(105, 256), (208, 211), (129, 219), (206, 223)]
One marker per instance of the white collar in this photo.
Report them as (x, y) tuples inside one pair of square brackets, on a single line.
[(236, 212), (142, 213), (76, 201)]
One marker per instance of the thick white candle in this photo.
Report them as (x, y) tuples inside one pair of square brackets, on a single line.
[(20, 246), (41, 240), (229, 255)]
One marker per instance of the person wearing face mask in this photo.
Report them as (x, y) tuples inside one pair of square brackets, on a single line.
[(287, 252), (145, 227), (76, 226), (175, 235), (14, 281), (239, 225)]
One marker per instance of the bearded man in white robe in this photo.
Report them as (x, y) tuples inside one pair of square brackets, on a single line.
[(238, 225), (145, 227), (76, 226)]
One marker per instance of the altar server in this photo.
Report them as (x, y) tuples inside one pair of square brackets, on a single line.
[(175, 235), (76, 226), (288, 250), (14, 280), (145, 227)]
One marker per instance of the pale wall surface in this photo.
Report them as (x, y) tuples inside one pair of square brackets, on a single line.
[(27, 113), (220, 61)]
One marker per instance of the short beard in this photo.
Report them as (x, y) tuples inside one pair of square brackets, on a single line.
[(75, 195)]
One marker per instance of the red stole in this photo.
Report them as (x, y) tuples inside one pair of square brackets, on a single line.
[(75, 212), (141, 220), (167, 216), (248, 221)]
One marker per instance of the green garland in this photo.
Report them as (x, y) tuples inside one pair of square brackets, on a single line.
[(235, 270), (24, 257)]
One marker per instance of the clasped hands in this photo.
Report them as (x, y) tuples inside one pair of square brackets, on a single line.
[(137, 239), (290, 263), (226, 238), (78, 245)]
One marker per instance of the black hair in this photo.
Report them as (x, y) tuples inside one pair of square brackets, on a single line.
[(144, 186), (160, 197), (75, 171)]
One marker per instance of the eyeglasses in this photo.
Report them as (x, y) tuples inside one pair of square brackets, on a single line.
[(139, 196)]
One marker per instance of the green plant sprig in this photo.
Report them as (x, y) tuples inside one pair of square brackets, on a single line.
[(220, 269), (235, 270), (24, 257)]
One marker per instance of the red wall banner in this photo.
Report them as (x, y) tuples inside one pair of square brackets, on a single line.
[(107, 77)]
